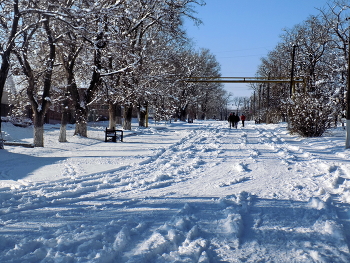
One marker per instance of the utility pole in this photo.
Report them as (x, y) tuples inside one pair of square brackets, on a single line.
[(268, 101), (347, 141), (291, 88), (259, 102), (254, 109)]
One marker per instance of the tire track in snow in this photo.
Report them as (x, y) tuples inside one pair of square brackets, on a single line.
[(243, 228), (194, 234), (179, 162), (287, 153), (333, 176), (335, 180), (240, 157), (278, 230), (238, 228)]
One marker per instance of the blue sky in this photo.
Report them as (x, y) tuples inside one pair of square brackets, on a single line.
[(240, 32)]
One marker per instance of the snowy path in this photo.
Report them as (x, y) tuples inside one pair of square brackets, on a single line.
[(178, 193)]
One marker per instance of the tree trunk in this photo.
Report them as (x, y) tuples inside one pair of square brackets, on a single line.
[(183, 113), (39, 129), (112, 115), (40, 103), (63, 131), (127, 117), (81, 122), (3, 76), (5, 57), (142, 118), (69, 65), (64, 121), (82, 111), (118, 113), (143, 109)]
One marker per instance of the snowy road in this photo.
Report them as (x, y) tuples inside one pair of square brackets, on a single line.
[(177, 193)]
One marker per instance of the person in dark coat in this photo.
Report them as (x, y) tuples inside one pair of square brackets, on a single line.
[(231, 119), (236, 120), (242, 119)]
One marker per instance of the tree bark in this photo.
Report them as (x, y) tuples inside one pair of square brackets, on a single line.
[(112, 115), (118, 114), (81, 122), (5, 57), (63, 130), (40, 110), (64, 121), (143, 114), (39, 103), (69, 64), (142, 118), (127, 116), (39, 129), (183, 113), (83, 110)]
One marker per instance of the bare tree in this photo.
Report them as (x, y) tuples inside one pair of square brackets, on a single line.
[(9, 20), (39, 95)]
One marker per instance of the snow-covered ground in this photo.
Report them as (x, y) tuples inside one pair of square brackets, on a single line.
[(176, 193)]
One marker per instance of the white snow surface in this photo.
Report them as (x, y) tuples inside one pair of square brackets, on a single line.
[(179, 192)]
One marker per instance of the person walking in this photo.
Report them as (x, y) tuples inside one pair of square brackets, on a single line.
[(242, 119), (236, 120), (231, 119)]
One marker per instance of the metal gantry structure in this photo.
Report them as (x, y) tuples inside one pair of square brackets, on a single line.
[(260, 80), (245, 80)]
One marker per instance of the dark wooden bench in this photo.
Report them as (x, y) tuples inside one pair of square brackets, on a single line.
[(111, 135)]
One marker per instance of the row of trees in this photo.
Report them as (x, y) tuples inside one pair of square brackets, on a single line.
[(317, 51), (118, 52)]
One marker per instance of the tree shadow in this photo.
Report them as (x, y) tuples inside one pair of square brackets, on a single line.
[(15, 166)]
